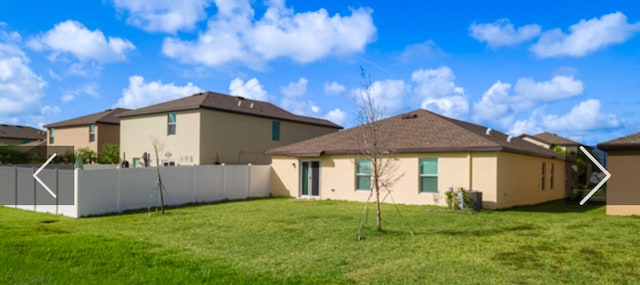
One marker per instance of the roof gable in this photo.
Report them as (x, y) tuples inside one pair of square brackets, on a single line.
[(630, 142), (21, 132), (109, 116), (228, 103), (417, 131), (554, 139)]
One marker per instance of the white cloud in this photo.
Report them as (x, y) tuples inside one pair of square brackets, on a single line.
[(337, 116), (585, 37), (20, 88), (494, 103), (438, 92), (140, 93), (387, 94), (334, 88), (234, 35), (582, 118), (530, 92), (71, 94), (74, 38), (293, 98), (502, 33), (167, 16), (250, 89), (425, 50)]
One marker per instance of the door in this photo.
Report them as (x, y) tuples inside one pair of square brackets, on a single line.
[(310, 178)]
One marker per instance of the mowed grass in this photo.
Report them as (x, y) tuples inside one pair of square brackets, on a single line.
[(289, 241)]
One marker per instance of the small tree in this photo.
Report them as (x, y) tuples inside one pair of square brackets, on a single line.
[(109, 154), (375, 145), (157, 147)]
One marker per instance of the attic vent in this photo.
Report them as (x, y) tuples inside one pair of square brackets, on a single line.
[(198, 94), (240, 97), (488, 132), (409, 116), (509, 138), (4, 125), (108, 110)]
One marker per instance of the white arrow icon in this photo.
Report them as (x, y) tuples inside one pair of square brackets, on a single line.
[(35, 176), (606, 177)]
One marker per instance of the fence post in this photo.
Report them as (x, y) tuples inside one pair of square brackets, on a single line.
[(33, 170), (15, 179), (193, 183), (76, 192), (249, 181), (57, 191), (224, 190), (118, 187)]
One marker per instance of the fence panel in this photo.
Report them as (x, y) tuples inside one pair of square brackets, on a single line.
[(260, 181), (207, 183), (103, 191)]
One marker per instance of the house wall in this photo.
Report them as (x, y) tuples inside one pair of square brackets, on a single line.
[(107, 134), (337, 177), (623, 188), (137, 133), (520, 180), (76, 136), (239, 139)]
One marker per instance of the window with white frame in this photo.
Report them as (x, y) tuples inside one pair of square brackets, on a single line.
[(363, 174), (428, 175), (171, 123), (92, 133)]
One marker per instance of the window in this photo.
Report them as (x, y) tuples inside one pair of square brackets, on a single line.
[(92, 132), (544, 169), (171, 126), (551, 176), (51, 137), (167, 163), (275, 130), (363, 174), (428, 175)]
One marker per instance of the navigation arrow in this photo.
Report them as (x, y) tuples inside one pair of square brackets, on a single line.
[(606, 177), (35, 175)]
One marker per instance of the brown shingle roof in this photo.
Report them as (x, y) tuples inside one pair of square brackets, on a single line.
[(627, 142), (108, 116), (227, 103), (553, 139), (417, 131), (21, 132)]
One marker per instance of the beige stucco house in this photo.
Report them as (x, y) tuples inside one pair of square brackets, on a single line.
[(208, 128), (92, 131), (623, 162), (20, 135), (432, 153)]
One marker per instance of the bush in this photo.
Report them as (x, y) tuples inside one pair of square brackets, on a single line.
[(453, 200), (109, 154)]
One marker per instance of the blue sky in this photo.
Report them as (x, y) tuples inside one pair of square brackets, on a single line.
[(559, 66)]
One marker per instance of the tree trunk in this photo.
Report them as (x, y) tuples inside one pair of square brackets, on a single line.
[(378, 215), (160, 185)]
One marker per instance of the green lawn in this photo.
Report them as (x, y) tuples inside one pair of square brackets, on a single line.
[(290, 241)]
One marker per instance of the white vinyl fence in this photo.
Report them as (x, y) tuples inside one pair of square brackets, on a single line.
[(104, 191)]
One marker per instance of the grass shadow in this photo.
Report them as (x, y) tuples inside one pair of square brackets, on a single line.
[(559, 206)]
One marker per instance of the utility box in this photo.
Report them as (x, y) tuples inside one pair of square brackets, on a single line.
[(476, 197)]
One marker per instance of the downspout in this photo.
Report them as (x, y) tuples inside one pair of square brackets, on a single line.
[(470, 157)]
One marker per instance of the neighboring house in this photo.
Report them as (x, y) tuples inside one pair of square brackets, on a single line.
[(209, 128), (19, 135), (623, 162), (550, 141), (433, 153), (92, 131)]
